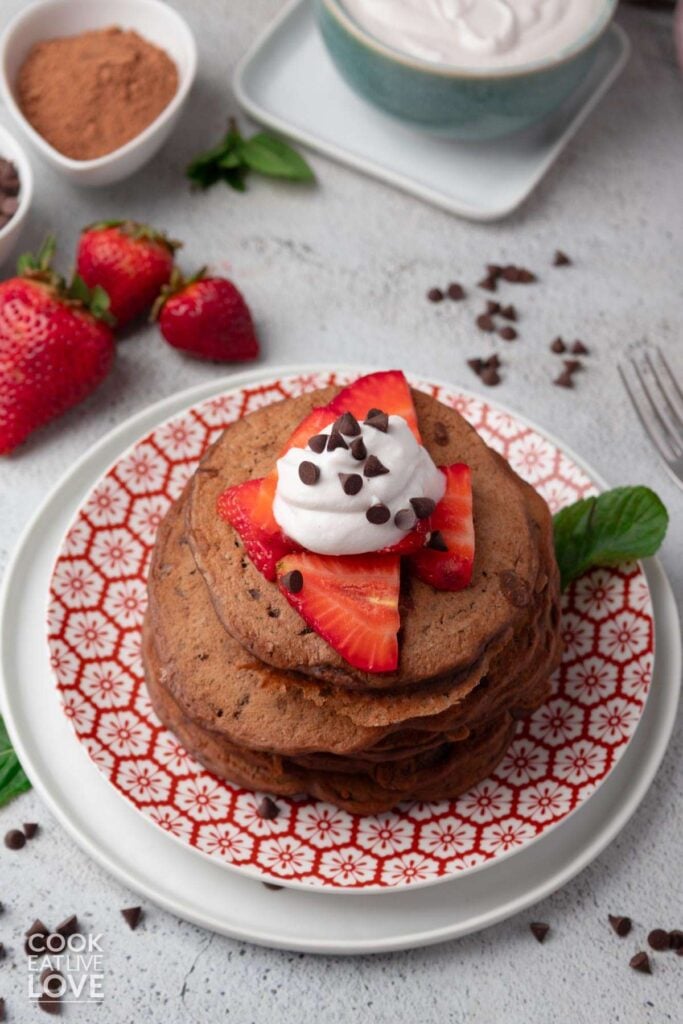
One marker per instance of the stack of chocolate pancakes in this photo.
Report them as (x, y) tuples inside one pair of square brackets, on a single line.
[(262, 700)]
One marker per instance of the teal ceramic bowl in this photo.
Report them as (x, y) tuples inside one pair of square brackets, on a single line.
[(461, 103)]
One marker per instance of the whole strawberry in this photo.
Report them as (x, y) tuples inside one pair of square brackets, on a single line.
[(55, 346), (131, 261), (207, 317)]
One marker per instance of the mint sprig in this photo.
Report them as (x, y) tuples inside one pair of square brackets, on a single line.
[(618, 526), (13, 780), (231, 160)]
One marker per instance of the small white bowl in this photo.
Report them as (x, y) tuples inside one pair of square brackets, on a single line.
[(9, 235), (47, 19)]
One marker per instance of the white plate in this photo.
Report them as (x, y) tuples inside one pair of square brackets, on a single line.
[(180, 880), (287, 81)]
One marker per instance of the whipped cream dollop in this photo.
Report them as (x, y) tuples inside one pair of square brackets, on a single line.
[(477, 33), (356, 487)]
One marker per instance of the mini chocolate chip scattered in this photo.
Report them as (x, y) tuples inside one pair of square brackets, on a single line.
[(132, 915), (374, 467), (641, 962), (317, 443), (564, 380), (267, 809), (525, 276), (15, 839), (358, 449), (272, 887), (436, 541), (348, 424), (560, 259), (539, 930), (579, 349), (558, 346), (485, 323), (676, 940), (378, 420), (273, 613), (494, 269), (510, 273), (254, 593), (309, 473), (476, 364), (37, 931), (658, 939), (492, 307), (335, 440), (490, 376), (440, 433), (572, 365), (509, 312), (351, 482), (455, 291), (2, 951), (423, 507), (621, 925), (49, 1004), (2, 1009), (378, 514), (435, 295), (30, 828), (490, 283), (405, 519), (292, 581), (507, 333)]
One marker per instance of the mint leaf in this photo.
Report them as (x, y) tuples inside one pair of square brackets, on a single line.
[(273, 157), (618, 526), (13, 781)]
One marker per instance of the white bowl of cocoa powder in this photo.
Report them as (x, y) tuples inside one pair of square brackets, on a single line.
[(97, 86)]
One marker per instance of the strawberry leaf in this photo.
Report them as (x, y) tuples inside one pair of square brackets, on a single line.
[(13, 779)]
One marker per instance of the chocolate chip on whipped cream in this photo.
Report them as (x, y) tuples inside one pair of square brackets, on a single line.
[(423, 507), (377, 419), (309, 473), (317, 443), (348, 424), (358, 449), (335, 440), (351, 482), (405, 519), (378, 514), (374, 467)]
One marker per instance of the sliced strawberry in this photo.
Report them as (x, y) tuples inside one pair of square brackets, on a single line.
[(309, 427), (352, 602), (248, 507), (453, 529), (412, 541), (387, 390)]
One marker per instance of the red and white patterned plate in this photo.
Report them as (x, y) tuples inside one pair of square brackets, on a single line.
[(557, 759)]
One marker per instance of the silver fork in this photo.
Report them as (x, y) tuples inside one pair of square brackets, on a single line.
[(658, 402)]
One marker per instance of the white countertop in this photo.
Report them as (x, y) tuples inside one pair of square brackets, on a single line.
[(338, 274)]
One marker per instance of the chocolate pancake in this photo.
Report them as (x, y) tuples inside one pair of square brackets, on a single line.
[(444, 633)]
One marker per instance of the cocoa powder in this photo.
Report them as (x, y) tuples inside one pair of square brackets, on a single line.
[(91, 93)]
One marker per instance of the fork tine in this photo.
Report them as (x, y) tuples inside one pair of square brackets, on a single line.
[(675, 424), (644, 420), (664, 427), (670, 379)]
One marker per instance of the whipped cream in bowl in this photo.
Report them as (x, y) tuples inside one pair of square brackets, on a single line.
[(356, 487)]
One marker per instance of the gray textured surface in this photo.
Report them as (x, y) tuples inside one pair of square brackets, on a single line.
[(339, 274)]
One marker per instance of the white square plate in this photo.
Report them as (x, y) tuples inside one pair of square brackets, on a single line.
[(287, 82)]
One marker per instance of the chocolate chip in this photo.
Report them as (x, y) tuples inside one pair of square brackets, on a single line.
[(525, 276), (348, 424), (658, 939), (507, 333), (440, 433), (492, 361), (37, 932), (48, 977), (564, 380), (30, 828), (494, 269), (358, 449), (351, 482), (558, 346), (423, 507), (514, 589), (509, 312), (49, 1004), (539, 930), (579, 349), (640, 962), (405, 519), (292, 581), (317, 443), (335, 440), (309, 473), (132, 915), (492, 307), (267, 809), (373, 467), (2, 1009), (455, 291), (560, 259), (15, 839), (254, 593), (621, 925), (572, 365), (273, 613), (68, 927), (373, 412), (2, 951), (476, 364), (676, 940), (378, 514), (490, 376), (436, 541), (435, 295), (490, 283), (378, 420), (485, 323), (510, 273)]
